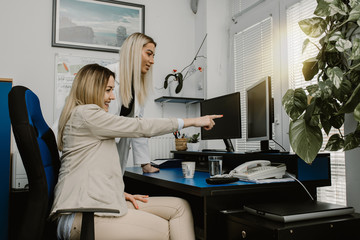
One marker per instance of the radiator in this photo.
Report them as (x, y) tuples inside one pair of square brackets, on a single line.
[(161, 146)]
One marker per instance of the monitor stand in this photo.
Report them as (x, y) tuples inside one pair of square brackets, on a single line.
[(264, 147), (229, 145)]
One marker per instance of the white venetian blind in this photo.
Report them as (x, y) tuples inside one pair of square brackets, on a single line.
[(336, 193), (253, 60), (241, 6)]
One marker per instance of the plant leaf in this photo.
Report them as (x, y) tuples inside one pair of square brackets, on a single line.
[(357, 113), (342, 45), (351, 142), (334, 143), (330, 48), (325, 124), (309, 111), (305, 140), (337, 121), (354, 14), (344, 92), (355, 53), (313, 27), (354, 3), (322, 9), (336, 76), (294, 102), (305, 44), (325, 88), (339, 7), (310, 68), (352, 102), (312, 89), (335, 36)]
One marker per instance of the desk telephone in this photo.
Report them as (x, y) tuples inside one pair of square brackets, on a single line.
[(258, 169)]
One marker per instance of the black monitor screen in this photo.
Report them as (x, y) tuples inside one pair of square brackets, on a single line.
[(227, 127), (259, 111)]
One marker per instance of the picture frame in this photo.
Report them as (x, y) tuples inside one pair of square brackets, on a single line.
[(99, 25)]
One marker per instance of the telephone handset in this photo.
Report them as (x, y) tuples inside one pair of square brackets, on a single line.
[(258, 169)]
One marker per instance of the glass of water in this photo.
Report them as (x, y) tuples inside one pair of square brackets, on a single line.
[(215, 165)]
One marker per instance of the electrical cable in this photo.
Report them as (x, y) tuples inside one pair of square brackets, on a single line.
[(279, 145), (291, 176)]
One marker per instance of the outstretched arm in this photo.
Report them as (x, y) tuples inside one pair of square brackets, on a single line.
[(207, 122)]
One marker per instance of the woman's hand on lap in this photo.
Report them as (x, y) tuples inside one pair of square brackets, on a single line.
[(136, 197)]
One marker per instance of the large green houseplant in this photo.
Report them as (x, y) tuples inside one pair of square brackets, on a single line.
[(336, 67)]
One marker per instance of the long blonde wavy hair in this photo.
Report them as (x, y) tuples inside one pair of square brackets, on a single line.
[(130, 69), (88, 88)]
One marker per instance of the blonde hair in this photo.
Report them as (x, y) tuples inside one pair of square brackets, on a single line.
[(88, 88), (130, 69)]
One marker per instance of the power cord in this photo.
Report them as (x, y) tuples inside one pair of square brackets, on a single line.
[(279, 145), (291, 176)]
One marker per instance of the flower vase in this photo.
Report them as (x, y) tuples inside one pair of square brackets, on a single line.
[(193, 146), (172, 87)]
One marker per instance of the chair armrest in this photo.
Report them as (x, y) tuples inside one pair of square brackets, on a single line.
[(83, 210), (87, 222)]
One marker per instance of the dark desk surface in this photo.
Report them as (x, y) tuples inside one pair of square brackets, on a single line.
[(173, 178), (207, 200)]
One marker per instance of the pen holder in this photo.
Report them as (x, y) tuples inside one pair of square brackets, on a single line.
[(181, 144)]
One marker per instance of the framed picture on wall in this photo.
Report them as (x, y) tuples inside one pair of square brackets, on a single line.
[(100, 25)]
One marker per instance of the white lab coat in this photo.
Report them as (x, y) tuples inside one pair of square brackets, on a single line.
[(140, 146)]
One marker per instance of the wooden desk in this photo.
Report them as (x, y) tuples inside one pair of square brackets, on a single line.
[(207, 200)]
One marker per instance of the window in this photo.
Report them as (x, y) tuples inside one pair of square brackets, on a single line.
[(295, 37), (254, 49), (253, 60), (241, 6)]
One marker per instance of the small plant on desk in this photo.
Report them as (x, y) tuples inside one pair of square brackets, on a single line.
[(193, 142), (194, 138)]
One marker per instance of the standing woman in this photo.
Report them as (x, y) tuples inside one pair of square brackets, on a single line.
[(133, 82), (90, 174)]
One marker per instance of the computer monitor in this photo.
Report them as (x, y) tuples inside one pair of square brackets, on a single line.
[(227, 127), (260, 113)]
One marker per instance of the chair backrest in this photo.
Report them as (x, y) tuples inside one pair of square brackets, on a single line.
[(38, 150)]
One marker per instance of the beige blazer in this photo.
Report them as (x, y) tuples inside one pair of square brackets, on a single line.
[(90, 174)]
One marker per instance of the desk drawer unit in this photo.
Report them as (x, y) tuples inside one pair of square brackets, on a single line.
[(242, 225)]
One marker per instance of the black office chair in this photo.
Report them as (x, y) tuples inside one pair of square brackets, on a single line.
[(38, 150)]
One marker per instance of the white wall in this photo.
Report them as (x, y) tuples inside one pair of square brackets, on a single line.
[(26, 54), (219, 80), (352, 165)]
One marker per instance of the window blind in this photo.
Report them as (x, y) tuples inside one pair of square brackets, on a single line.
[(253, 60), (336, 193), (241, 6)]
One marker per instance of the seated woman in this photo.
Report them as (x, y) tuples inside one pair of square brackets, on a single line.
[(90, 174)]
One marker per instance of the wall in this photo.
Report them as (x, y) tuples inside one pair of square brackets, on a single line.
[(352, 165), (219, 82), (28, 58)]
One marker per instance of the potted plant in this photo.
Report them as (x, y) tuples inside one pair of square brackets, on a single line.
[(193, 142), (323, 105)]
